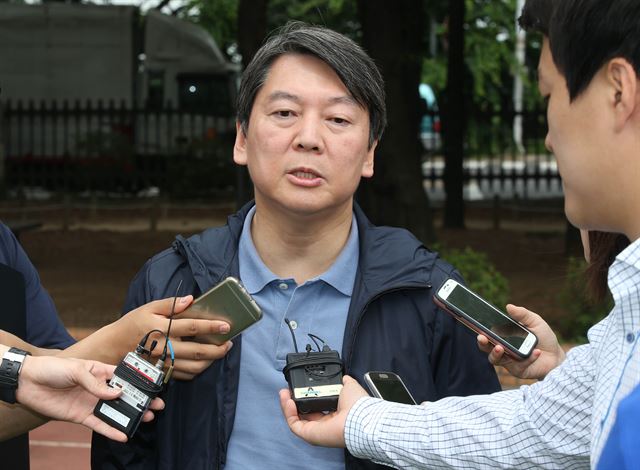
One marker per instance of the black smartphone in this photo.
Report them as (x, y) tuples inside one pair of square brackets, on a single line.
[(388, 386), (227, 301), (482, 317)]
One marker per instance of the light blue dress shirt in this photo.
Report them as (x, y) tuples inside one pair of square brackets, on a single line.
[(261, 437)]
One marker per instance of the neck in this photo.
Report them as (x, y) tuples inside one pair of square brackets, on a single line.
[(300, 247)]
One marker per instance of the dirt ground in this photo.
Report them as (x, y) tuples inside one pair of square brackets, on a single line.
[(88, 268)]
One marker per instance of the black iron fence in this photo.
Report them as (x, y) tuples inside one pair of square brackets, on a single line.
[(505, 156), (111, 148)]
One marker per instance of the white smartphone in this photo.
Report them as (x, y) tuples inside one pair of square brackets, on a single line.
[(388, 386), (482, 317)]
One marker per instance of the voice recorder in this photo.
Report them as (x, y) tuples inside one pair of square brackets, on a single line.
[(314, 377)]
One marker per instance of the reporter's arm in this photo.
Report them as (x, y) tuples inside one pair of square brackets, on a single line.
[(63, 389), (110, 343), (13, 341), (17, 419), (509, 429)]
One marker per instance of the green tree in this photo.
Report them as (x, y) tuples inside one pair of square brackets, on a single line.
[(489, 43)]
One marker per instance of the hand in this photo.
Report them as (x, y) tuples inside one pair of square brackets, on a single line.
[(321, 429), (191, 358), (68, 390), (547, 356)]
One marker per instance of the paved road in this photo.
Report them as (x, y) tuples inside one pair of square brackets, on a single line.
[(60, 446)]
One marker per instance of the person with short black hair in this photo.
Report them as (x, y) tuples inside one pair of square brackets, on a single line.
[(311, 111), (589, 74)]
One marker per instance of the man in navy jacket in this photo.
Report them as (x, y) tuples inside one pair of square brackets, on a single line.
[(310, 113)]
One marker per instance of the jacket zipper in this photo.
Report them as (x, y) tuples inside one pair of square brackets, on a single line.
[(366, 306)]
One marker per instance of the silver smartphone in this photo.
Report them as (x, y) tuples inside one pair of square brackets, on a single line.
[(388, 386), (227, 301), (482, 317)]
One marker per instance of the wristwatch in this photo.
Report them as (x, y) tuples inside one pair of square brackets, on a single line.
[(9, 372)]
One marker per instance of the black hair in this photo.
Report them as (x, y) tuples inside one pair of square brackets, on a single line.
[(351, 63), (586, 34), (603, 249)]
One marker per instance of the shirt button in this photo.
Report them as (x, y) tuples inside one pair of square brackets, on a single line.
[(283, 286), (293, 324), (630, 337)]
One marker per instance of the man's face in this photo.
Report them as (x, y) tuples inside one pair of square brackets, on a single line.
[(306, 145), (581, 138)]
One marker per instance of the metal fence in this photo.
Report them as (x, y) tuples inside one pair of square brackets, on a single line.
[(109, 148), (495, 163), (78, 148)]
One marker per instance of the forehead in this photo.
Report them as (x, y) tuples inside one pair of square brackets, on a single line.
[(546, 66), (302, 74)]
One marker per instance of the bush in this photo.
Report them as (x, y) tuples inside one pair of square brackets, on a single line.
[(479, 273), (579, 312)]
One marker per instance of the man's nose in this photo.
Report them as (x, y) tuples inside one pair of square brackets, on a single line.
[(308, 137)]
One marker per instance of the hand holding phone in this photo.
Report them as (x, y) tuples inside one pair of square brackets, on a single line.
[(227, 301), (388, 386), (483, 318)]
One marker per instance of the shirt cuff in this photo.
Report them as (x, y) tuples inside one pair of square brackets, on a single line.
[(363, 419)]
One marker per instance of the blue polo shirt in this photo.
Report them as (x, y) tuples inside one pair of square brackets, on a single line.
[(261, 437)]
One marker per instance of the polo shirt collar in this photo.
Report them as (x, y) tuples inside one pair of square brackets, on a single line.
[(256, 275)]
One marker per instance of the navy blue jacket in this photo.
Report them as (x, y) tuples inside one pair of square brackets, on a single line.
[(392, 325), (44, 327)]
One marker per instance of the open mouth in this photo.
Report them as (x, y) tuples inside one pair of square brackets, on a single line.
[(306, 175)]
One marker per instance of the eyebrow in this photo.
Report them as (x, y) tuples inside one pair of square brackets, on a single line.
[(283, 95), (345, 99)]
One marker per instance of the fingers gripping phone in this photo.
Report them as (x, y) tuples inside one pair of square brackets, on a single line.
[(388, 386), (482, 317), (227, 301)]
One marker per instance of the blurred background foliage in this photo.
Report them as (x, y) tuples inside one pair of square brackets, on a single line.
[(479, 273)]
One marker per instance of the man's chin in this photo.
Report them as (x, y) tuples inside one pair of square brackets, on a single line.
[(574, 215)]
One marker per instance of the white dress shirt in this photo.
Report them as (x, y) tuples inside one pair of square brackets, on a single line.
[(561, 422)]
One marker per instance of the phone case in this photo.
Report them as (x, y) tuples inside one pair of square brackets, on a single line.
[(227, 301), (479, 329)]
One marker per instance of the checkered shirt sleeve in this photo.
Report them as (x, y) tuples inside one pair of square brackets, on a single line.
[(549, 426)]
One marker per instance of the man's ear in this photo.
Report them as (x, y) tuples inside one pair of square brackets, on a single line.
[(240, 146), (367, 165), (626, 91)]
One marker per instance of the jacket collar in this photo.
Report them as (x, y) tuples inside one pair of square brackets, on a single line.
[(389, 257)]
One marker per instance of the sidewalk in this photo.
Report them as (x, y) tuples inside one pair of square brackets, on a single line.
[(60, 446)]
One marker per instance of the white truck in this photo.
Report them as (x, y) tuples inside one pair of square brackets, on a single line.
[(85, 81), (58, 51)]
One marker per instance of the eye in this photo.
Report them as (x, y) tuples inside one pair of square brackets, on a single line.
[(339, 121), (283, 113)]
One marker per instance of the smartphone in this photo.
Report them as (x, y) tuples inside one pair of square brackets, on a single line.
[(482, 317), (388, 386), (227, 301)]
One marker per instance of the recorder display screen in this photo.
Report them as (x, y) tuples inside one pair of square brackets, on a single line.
[(486, 315)]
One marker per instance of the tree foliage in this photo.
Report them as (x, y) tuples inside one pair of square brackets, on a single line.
[(490, 38)]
